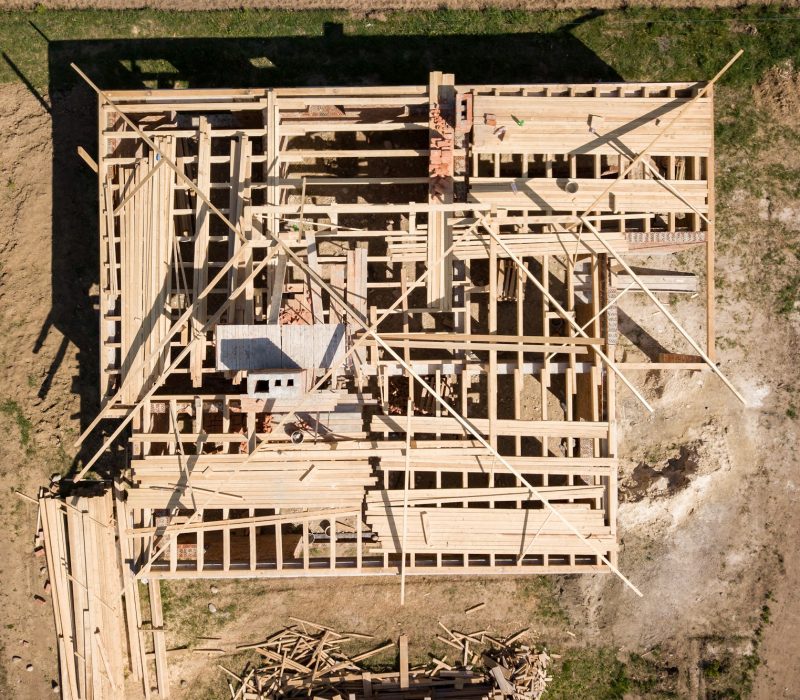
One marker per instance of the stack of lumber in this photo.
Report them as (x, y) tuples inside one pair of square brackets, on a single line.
[(476, 246), (146, 236), (559, 125), (83, 565), (474, 459), (480, 530), (308, 660), (658, 281), (269, 478), (551, 194), (494, 494), (504, 426)]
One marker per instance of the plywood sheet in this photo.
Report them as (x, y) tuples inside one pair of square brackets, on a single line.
[(263, 346)]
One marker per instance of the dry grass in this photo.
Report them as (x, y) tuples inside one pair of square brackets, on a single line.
[(375, 6)]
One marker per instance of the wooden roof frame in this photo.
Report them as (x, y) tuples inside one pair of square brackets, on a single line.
[(465, 235), (272, 217)]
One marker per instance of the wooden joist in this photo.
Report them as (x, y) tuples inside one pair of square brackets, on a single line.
[(555, 195), (200, 257), (534, 244), (448, 425), (502, 531), (561, 125)]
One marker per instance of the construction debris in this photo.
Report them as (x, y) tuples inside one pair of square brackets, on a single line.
[(309, 660)]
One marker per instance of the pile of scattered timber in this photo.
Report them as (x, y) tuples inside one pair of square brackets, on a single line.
[(308, 660), (519, 671), (265, 479), (305, 660), (499, 530), (508, 667), (83, 566)]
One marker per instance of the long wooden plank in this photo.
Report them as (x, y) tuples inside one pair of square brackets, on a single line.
[(629, 196), (448, 425), (200, 260), (560, 125), (460, 495), (159, 640)]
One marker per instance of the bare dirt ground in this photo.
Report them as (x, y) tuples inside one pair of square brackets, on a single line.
[(779, 95), (709, 520), (32, 427)]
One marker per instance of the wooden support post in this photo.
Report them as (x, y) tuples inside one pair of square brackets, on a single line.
[(491, 377), (200, 264), (404, 669), (159, 641), (406, 486)]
